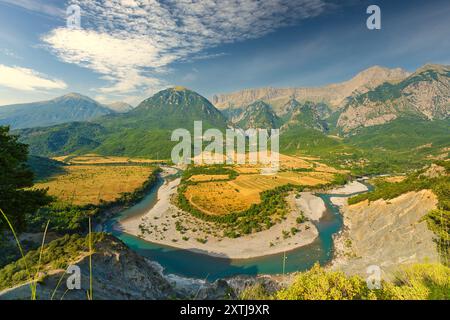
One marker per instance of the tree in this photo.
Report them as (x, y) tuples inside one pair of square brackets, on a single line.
[(16, 200)]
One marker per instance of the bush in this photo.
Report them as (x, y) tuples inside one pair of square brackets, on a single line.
[(58, 253), (419, 281)]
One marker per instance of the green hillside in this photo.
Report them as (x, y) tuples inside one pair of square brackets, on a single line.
[(405, 143), (308, 115), (75, 137), (258, 115), (144, 131), (68, 108), (171, 109)]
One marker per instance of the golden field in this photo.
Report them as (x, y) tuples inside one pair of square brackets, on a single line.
[(208, 177), (98, 159), (219, 198), (84, 184)]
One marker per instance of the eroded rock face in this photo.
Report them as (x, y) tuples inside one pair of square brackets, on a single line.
[(334, 94), (434, 171), (121, 274), (118, 273), (425, 94), (386, 234)]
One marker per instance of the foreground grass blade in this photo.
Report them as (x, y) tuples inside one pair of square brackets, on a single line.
[(90, 293), (36, 276), (58, 284), (33, 292)]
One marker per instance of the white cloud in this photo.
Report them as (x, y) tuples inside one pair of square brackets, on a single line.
[(27, 79), (131, 42)]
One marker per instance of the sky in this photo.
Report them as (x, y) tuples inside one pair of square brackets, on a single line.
[(127, 50)]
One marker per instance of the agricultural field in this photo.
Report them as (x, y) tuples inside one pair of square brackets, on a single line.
[(91, 184), (98, 159), (208, 177), (236, 195)]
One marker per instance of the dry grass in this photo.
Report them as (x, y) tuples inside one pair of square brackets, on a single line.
[(246, 170), (286, 162), (97, 159), (224, 197), (208, 177), (395, 179), (83, 184), (219, 198)]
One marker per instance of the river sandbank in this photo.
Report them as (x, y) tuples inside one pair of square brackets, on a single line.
[(349, 188), (161, 225), (312, 206)]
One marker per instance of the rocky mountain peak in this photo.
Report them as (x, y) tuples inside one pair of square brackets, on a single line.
[(423, 94)]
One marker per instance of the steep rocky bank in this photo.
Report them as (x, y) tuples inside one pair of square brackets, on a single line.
[(386, 234), (117, 273)]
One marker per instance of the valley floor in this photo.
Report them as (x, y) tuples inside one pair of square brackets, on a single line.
[(159, 225)]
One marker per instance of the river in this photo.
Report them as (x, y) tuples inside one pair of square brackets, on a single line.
[(190, 264)]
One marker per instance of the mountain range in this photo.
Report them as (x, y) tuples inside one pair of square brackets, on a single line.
[(257, 115), (383, 116), (144, 131), (372, 101), (334, 94), (424, 94), (67, 108), (120, 106)]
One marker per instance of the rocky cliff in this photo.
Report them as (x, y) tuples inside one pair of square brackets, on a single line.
[(333, 94), (387, 234), (424, 94)]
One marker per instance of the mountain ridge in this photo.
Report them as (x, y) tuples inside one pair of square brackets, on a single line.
[(119, 106), (144, 131), (423, 94), (333, 94), (63, 109), (257, 115)]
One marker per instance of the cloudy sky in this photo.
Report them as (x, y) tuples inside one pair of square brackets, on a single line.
[(125, 50)]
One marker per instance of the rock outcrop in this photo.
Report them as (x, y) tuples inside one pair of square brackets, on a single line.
[(333, 94), (386, 233), (424, 94), (117, 273)]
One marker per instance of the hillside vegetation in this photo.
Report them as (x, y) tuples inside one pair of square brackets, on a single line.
[(414, 282), (58, 254), (360, 134), (68, 108)]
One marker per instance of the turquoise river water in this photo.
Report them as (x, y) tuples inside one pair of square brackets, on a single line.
[(195, 265)]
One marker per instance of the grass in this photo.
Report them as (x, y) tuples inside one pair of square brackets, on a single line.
[(32, 287), (224, 197), (93, 184), (247, 203), (29, 263), (210, 191), (412, 282), (95, 159), (56, 255)]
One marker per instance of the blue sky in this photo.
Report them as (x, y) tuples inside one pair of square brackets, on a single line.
[(128, 49)]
